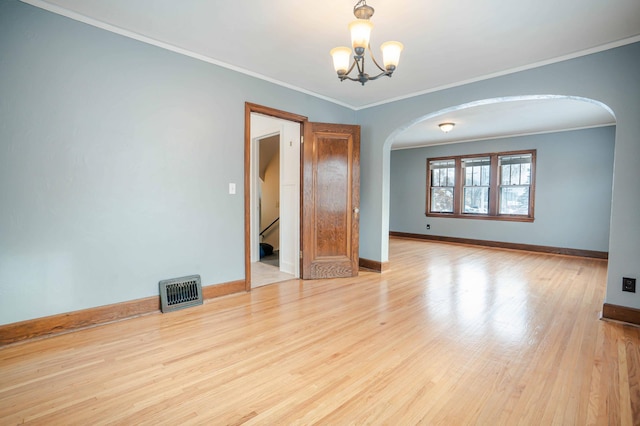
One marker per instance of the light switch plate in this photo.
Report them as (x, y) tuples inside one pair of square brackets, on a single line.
[(232, 188)]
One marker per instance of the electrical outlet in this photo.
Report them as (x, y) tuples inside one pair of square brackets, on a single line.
[(629, 284), (428, 226)]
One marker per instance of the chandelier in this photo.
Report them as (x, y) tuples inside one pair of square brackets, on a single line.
[(360, 33)]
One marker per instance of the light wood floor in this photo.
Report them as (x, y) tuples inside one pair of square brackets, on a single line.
[(451, 335)]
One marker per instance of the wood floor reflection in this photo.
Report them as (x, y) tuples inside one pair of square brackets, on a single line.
[(451, 335)]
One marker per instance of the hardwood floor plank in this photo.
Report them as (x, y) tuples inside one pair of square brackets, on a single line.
[(451, 334), (632, 351)]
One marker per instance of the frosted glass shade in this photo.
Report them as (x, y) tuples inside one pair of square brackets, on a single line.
[(360, 33), (391, 54), (341, 58), (446, 127)]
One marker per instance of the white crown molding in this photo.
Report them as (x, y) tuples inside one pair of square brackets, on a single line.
[(42, 4)]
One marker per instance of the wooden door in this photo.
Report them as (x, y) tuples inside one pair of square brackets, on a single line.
[(330, 200)]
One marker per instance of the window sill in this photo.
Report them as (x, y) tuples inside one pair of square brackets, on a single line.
[(503, 218)]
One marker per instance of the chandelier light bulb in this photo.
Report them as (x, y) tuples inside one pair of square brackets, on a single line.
[(360, 34), (341, 57), (391, 54)]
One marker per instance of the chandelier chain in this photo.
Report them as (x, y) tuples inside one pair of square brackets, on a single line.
[(359, 4)]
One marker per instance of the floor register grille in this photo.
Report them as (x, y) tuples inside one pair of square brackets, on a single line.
[(180, 293)]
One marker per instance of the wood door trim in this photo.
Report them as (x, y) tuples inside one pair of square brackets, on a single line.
[(271, 112)]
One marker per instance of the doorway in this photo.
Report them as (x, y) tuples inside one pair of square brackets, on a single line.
[(274, 193), (327, 197), (268, 187)]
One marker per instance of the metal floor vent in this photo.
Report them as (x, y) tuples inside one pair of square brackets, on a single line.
[(179, 293)]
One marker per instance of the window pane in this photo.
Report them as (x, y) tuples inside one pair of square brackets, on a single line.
[(515, 175), (476, 171), (444, 178), (443, 173), (484, 179), (435, 177), (514, 200), (525, 176), (476, 200), (515, 169), (505, 175), (442, 200), (476, 175), (451, 176)]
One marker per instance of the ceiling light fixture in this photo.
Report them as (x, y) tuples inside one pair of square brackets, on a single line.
[(360, 33), (446, 127)]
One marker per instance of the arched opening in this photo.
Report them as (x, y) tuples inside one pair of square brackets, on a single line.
[(575, 140)]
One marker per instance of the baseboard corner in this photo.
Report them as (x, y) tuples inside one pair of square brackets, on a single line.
[(373, 265), (621, 313)]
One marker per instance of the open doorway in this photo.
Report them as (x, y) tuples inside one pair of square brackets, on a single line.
[(274, 200), (269, 199), (330, 247)]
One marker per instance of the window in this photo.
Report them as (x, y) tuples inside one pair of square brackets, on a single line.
[(498, 186), (515, 182), (442, 185), (476, 185)]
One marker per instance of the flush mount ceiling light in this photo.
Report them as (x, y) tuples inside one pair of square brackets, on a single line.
[(360, 33), (446, 127)]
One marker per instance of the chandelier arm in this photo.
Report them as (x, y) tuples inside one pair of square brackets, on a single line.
[(369, 78), (388, 74), (346, 77), (351, 67), (373, 58), (359, 60)]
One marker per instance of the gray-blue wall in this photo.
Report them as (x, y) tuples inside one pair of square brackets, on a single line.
[(574, 174), (115, 160)]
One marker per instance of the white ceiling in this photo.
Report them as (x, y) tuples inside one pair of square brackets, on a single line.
[(505, 117), (447, 43)]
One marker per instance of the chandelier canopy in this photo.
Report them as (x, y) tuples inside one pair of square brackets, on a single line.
[(360, 33)]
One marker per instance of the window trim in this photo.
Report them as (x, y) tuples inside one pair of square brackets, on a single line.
[(494, 188)]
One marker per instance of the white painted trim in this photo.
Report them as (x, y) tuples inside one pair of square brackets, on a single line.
[(254, 200), (263, 126)]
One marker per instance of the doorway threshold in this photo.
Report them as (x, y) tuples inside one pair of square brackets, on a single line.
[(264, 274)]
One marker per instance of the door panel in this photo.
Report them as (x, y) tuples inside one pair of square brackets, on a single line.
[(330, 200)]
